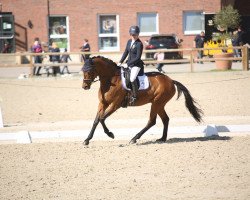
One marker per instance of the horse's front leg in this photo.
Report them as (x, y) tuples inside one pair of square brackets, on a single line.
[(102, 114), (91, 134), (110, 109), (101, 108), (106, 130)]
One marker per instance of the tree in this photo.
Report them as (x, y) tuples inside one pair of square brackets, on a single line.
[(226, 18)]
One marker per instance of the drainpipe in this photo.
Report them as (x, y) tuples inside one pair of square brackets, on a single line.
[(48, 15)]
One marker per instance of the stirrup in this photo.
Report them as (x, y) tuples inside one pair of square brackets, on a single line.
[(132, 101)]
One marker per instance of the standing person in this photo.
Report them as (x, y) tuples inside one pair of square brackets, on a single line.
[(235, 43), (239, 40), (55, 58), (240, 35), (159, 56), (37, 48), (6, 48), (86, 48), (199, 43), (133, 50), (64, 59)]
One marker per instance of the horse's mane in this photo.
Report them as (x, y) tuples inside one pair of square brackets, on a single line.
[(111, 62)]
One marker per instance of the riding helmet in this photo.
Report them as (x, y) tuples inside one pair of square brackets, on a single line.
[(134, 30)]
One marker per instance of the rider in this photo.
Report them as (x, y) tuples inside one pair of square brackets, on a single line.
[(134, 50)]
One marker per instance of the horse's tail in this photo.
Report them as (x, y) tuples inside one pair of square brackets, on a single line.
[(190, 102)]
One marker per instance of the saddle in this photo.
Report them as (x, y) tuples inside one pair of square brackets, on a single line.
[(142, 82)]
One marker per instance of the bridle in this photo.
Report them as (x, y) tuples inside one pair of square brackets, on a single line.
[(90, 80), (88, 66)]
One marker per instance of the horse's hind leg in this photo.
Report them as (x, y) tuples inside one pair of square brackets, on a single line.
[(151, 122), (165, 120)]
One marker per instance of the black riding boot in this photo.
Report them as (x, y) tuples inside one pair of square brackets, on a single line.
[(134, 93)]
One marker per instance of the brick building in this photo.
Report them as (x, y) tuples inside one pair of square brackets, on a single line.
[(104, 23)]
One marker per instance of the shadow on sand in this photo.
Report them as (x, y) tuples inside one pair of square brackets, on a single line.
[(193, 139)]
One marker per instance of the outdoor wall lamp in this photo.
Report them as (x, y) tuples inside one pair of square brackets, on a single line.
[(30, 24), (210, 23)]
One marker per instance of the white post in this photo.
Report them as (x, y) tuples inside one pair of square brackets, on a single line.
[(211, 130)]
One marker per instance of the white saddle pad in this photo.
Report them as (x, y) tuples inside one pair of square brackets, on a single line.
[(144, 83)]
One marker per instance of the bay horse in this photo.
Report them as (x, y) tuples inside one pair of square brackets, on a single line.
[(112, 94)]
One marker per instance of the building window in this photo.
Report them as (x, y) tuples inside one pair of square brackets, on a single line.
[(193, 22), (108, 33), (7, 33), (148, 23), (58, 31)]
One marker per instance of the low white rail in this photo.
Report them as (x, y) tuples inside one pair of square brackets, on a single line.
[(189, 52)]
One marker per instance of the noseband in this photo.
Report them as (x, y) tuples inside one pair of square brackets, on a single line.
[(89, 80)]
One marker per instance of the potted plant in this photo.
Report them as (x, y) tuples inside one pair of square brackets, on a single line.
[(225, 19)]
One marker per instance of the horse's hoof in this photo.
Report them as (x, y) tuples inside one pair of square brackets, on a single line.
[(111, 135), (86, 142), (161, 140), (133, 141)]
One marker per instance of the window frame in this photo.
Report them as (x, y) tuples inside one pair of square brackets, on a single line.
[(156, 22), (64, 36), (193, 32), (103, 35)]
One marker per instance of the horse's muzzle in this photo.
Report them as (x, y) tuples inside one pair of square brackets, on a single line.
[(85, 86)]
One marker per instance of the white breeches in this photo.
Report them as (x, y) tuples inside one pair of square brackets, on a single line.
[(133, 73)]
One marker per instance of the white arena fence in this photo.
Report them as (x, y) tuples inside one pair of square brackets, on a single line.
[(26, 59)]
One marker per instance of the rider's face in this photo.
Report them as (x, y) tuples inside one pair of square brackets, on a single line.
[(134, 36)]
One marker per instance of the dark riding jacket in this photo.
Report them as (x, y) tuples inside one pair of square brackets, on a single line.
[(134, 53)]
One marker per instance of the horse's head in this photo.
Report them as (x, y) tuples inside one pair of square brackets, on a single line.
[(97, 66), (89, 73)]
